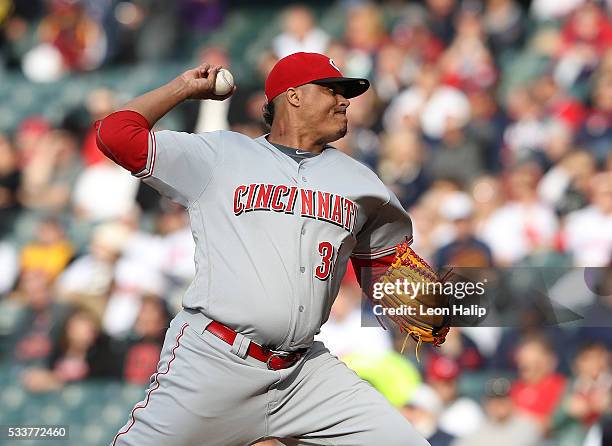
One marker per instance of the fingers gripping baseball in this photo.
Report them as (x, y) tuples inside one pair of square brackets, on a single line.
[(200, 82)]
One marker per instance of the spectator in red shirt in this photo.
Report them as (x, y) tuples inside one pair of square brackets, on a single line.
[(538, 389), (589, 29)]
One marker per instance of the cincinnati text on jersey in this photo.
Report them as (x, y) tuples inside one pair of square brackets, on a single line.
[(325, 206)]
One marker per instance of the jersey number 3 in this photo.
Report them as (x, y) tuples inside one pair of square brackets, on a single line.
[(326, 251)]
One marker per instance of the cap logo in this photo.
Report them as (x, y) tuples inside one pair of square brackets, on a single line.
[(333, 64)]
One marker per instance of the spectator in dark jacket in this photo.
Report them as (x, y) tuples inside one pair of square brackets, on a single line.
[(82, 352)]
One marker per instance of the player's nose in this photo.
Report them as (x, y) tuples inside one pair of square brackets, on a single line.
[(342, 101)]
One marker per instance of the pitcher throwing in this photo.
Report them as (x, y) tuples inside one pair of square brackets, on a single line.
[(275, 220)]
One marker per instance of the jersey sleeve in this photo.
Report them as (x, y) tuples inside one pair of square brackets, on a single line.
[(179, 165), (385, 228)]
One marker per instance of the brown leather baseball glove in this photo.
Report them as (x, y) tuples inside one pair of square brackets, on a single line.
[(414, 293)]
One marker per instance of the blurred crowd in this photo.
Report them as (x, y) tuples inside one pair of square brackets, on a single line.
[(47, 39), (490, 120)]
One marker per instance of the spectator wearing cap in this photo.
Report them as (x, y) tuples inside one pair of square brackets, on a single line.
[(465, 249), (460, 416), (538, 389), (503, 426), (423, 411)]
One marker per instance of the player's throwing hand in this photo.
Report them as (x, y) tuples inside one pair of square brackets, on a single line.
[(200, 82)]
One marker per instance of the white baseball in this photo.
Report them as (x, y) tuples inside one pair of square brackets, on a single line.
[(224, 83)]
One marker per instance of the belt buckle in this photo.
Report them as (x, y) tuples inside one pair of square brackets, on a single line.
[(277, 354)]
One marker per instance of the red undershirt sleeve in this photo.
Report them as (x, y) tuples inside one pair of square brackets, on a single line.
[(123, 137), (374, 265)]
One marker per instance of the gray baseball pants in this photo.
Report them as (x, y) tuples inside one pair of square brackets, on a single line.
[(203, 394)]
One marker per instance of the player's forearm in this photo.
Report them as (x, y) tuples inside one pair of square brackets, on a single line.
[(156, 103)]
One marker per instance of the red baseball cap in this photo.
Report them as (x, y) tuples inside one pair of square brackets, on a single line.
[(442, 368), (305, 68)]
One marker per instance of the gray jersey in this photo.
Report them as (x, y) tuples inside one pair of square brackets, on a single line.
[(273, 236)]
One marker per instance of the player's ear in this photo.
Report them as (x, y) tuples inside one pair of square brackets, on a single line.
[(293, 96)]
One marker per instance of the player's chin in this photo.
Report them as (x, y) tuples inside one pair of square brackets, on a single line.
[(339, 133), (337, 128), (342, 127)]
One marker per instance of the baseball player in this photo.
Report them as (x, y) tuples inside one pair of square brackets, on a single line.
[(275, 220)]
